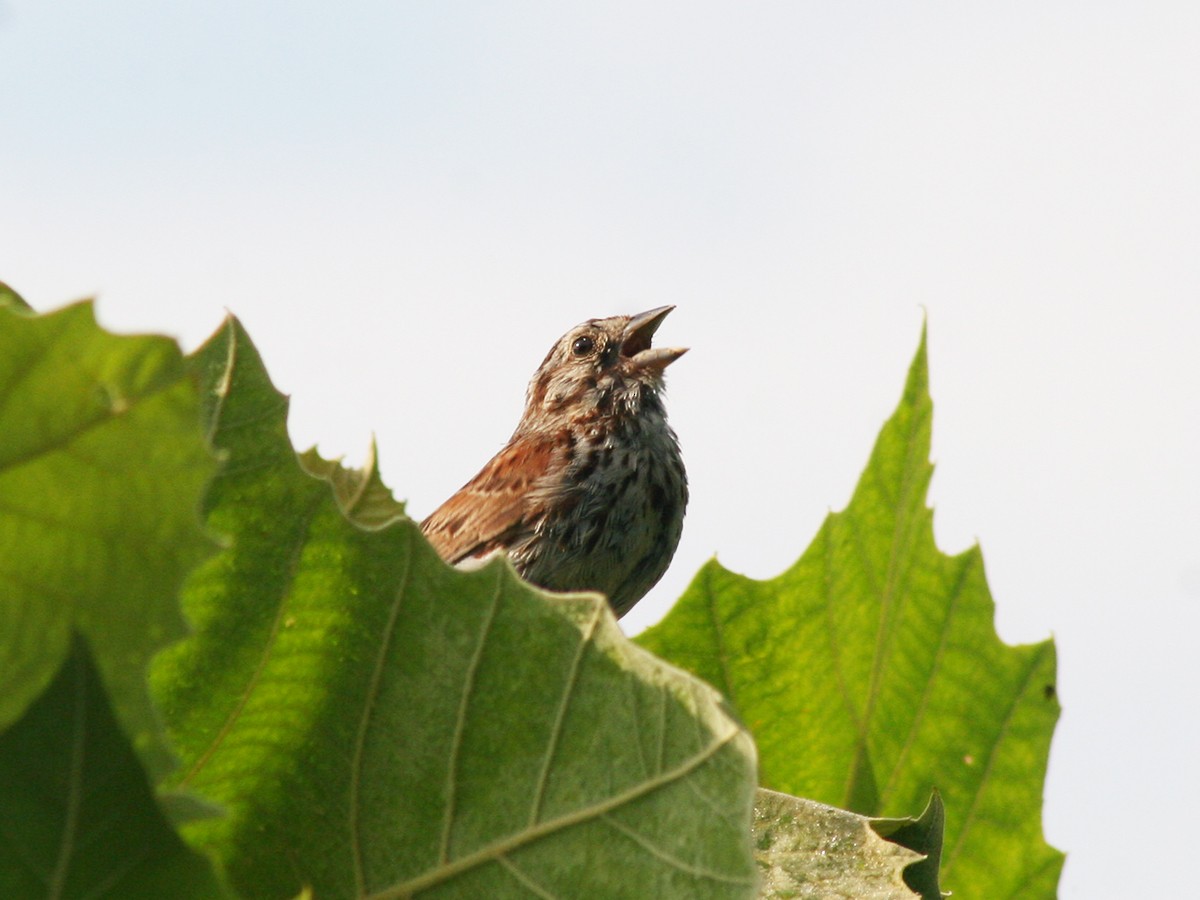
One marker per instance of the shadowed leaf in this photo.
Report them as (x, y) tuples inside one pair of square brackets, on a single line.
[(922, 835), (77, 816)]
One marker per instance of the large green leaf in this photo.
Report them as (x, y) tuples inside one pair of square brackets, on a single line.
[(77, 815), (378, 724), (871, 672), (102, 467)]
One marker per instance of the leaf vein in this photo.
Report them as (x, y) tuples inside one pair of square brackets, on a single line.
[(718, 637), (560, 715), (268, 649), (939, 656), (67, 438), (460, 724), (670, 859), (524, 879), (972, 811), (364, 722), (66, 850), (550, 826)]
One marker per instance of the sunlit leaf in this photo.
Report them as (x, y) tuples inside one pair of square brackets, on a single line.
[(12, 300), (377, 724), (870, 672), (102, 466)]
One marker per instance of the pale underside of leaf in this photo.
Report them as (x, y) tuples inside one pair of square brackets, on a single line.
[(807, 849)]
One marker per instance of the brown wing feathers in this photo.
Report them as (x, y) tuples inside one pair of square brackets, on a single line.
[(492, 505)]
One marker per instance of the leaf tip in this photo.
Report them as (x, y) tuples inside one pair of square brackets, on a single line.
[(10, 299)]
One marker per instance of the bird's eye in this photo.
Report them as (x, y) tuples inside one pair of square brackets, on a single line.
[(583, 346)]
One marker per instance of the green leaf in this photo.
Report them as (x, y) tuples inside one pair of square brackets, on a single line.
[(377, 724), (923, 835), (871, 672), (102, 467), (807, 849), (77, 815), (12, 300), (360, 493)]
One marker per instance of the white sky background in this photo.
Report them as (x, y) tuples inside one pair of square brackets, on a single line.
[(406, 204)]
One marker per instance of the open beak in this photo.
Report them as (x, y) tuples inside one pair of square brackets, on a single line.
[(635, 341)]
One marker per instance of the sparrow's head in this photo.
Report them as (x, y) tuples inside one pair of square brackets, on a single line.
[(603, 366)]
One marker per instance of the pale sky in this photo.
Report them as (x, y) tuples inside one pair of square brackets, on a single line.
[(407, 203)]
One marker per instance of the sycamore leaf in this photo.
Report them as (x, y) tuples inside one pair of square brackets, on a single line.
[(870, 672), (77, 814), (377, 724), (360, 493), (11, 299), (102, 467)]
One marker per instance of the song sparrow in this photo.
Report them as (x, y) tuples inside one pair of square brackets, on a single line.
[(590, 490)]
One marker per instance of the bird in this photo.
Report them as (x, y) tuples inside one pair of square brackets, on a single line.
[(590, 491)]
